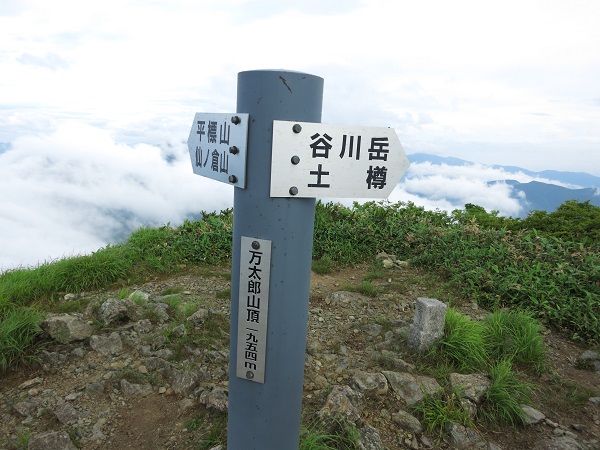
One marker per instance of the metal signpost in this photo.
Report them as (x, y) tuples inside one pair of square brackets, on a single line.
[(286, 160)]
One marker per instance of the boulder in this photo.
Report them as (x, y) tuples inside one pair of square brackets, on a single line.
[(66, 328)]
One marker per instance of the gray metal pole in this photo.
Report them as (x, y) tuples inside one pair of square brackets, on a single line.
[(267, 416)]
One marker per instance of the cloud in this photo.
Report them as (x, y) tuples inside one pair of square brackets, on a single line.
[(76, 190), (50, 61), (447, 187)]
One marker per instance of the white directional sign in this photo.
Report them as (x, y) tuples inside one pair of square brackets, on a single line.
[(334, 161), (217, 145)]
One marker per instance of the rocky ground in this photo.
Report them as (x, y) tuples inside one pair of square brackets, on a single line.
[(146, 368)]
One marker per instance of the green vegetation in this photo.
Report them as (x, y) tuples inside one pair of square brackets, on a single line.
[(514, 335), (322, 435), (545, 264), (462, 348), (490, 346), (503, 399), (215, 430), (437, 410)]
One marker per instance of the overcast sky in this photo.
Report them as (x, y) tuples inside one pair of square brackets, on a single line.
[(97, 98)]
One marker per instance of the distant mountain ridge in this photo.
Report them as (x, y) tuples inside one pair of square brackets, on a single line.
[(581, 179), (532, 195)]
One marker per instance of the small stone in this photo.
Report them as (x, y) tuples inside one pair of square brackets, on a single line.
[(107, 345), (550, 423), (407, 422), (94, 388), (532, 416), (31, 383), (135, 390), (72, 396), (59, 440)]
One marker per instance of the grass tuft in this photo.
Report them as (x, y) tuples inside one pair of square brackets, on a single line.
[(462, 347), (515, 335), (503, 399)]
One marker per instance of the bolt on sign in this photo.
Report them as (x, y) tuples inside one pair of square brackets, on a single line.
[(255, 269), (217, 145), (335, 161)]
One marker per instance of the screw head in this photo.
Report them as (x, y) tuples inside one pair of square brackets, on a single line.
[(293, 190), (232, 179), (255, 245), (297, 128), (249, 375), (295, 159), (235, 120), (234, 150)]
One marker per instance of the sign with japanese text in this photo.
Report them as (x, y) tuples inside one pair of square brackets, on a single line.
[(335, 161), (255, 268), (217, 145)]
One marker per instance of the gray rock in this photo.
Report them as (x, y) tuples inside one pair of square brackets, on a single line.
[(342, 402), (372, 329), (143, 326), (369, 439), (107, 345), (139, 295), (531, 416), (66, 328), (94, 388), (97, 434), (198, 317), (179, 331), (344, 297), (24, 408), (186, 405), (412, 389), (370, 384), (407, 422), (53, 359), (66, 413), (153, 363), (428, 325), (135, 390), (31, 383), (161, 311), (464, 438), (472, 386), (558, 443), (388, 358), (216, 399), (184, 382), (589, 355), (59, 440), (113, 311)]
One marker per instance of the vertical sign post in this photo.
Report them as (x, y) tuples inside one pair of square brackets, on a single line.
[(265, 407)]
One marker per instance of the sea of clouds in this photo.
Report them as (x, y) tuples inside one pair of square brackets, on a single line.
[(77, 189)]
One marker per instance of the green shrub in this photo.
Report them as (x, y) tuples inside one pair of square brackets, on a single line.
[(19, 328), (437, 410), (329, 435), (503, 399), (462, 347), (516, 336)]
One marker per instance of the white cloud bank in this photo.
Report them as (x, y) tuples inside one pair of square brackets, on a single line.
[(75, 190)]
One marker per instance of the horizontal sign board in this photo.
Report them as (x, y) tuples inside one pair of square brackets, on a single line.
[(218, 147), (335, 161)]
